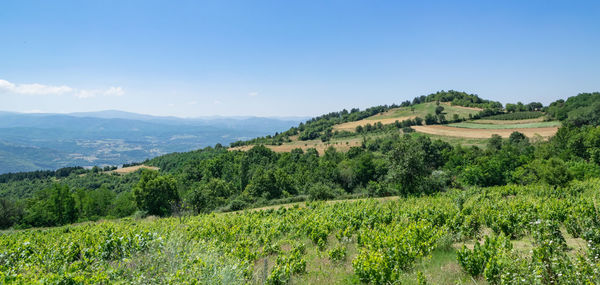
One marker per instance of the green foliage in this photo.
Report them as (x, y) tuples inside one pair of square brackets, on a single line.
[(10, 213), (408, 166), (156, 194), (583, 109), (321, 191), (388, 251), (337, 253), (209, 196), (495, 142), (483, 258), (53, 206), (390, 238)]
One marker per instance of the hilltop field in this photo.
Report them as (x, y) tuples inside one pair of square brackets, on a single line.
[(467, 131)]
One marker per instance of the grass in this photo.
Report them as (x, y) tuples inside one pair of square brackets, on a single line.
[(473, 125), (421, 110), (507, 122), (440, 268), (479, 142)]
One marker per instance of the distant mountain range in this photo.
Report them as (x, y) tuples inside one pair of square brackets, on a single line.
[(49, 141)]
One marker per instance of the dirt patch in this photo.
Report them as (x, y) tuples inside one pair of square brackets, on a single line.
[(483, 133), (131, 169), (351, 126)]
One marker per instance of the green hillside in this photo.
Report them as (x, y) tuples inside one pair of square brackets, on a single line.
[(396, 207)]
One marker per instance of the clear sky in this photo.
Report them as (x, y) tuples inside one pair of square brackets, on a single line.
[(289, 58)]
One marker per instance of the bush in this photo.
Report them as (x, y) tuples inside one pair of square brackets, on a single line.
[(322, 191), (337, 253), (387, 252), (484, 256)]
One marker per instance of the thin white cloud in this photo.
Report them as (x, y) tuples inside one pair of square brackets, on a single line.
[(216, 102), (111, 91), (41, 89), (33, 89), (114, 91), (253, 94), (83, 94)]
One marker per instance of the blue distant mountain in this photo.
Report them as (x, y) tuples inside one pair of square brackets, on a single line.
[(49, 141)]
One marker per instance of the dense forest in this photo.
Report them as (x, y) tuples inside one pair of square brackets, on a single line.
[(403, 163)]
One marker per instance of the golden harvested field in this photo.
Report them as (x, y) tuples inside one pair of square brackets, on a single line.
[(131, 169), (341, 145), (442, 130)]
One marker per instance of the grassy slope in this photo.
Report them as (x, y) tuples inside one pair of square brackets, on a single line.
[(421, 110)]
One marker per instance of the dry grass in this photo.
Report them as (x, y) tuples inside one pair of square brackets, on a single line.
[(446, 104), (131, 169), (507, 122), (483, 133), (406, 113), (340, 145), (380, 118)]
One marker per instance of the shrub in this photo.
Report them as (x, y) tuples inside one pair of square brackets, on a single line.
[(337, 253), (484, 257), (322, 191)]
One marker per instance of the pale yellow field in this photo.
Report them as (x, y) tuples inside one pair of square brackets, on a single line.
[(131, 169), (508, 122), (442, 130), (304, 145)]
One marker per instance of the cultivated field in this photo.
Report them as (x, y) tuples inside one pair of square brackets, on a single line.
[(506, 122), (442, 130), (514, 125), (425, 239)]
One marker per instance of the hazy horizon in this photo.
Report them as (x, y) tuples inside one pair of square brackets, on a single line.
[(286, 59)]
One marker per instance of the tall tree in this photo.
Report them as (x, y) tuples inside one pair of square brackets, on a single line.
[(155, 194)]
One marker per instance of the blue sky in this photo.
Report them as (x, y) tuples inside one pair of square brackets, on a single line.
[(289, 58)]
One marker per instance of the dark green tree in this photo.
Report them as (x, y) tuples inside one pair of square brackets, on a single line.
[(439, 110), (495, 142), (407, 166), (155, 194)]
